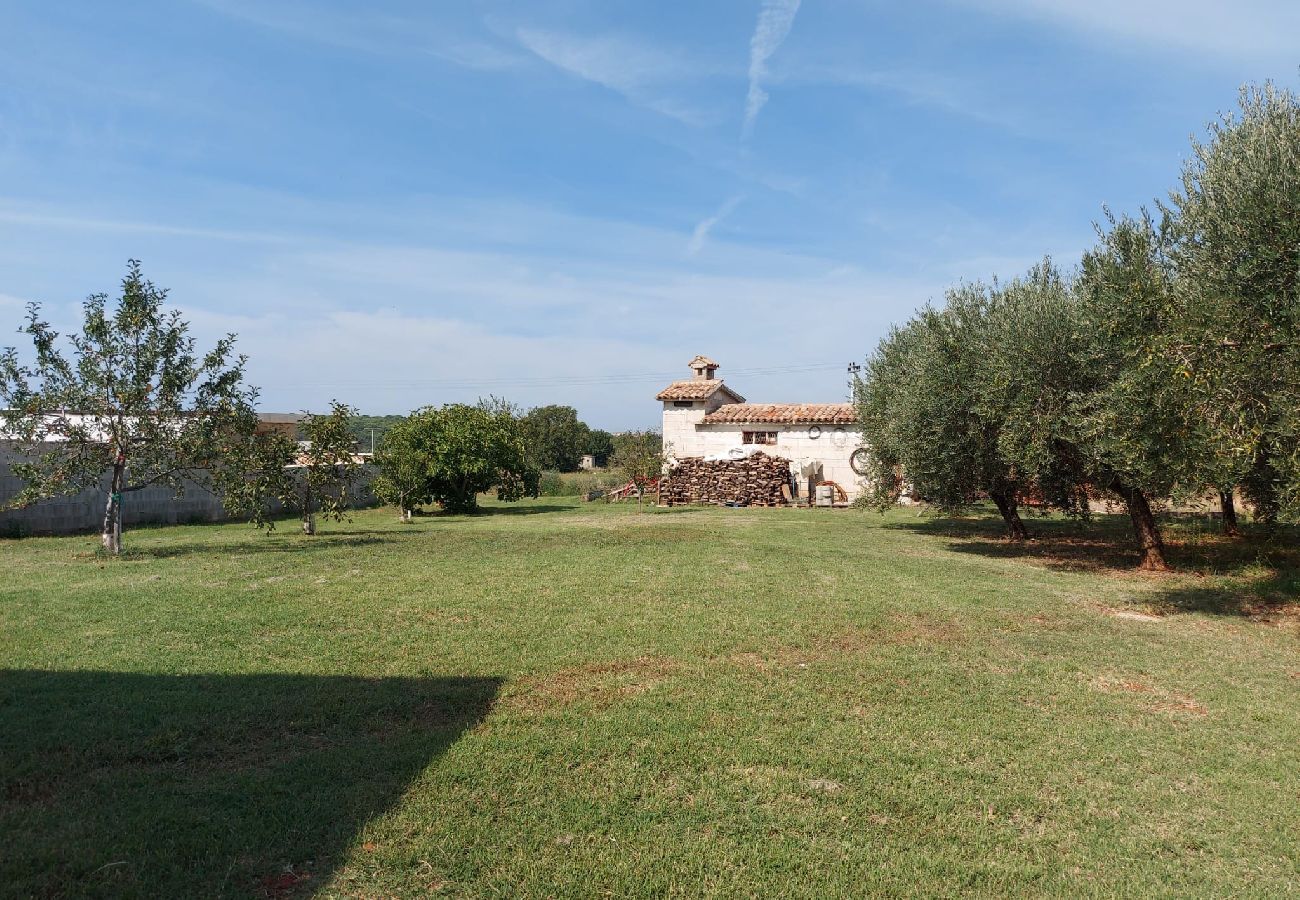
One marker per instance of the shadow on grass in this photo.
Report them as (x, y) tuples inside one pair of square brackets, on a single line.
[(1262, 595), (502, 510), (208, 785), (318, 543), (1250, 576)]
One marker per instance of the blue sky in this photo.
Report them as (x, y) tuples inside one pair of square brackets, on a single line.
[(402, 203)]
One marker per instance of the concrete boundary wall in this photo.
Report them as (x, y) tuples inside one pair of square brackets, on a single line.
[(156, 505)]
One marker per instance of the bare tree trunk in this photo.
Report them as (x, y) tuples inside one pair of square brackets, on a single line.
[(308, 510), (1006, 503), (111, 534), (1229, 519), (1145, 529)]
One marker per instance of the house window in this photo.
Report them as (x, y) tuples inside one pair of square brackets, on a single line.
[(758, 437), (686, 403)]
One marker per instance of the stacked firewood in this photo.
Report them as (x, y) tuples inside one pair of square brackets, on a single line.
[(755, 481)]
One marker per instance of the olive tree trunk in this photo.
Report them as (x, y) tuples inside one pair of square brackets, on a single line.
[(1007, 505), (1229, 519), (1150, 544)]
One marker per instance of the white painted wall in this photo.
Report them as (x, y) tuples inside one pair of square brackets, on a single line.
[(681, 437), (832, 449), (679, 428)]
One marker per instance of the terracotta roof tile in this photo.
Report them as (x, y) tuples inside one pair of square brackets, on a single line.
[(695, 390), (783, 414)]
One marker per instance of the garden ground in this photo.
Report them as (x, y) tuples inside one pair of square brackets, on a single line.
[(555, 698)]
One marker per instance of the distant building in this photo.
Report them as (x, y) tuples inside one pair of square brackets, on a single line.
[(702, 416), (588, 461), (285, 424)]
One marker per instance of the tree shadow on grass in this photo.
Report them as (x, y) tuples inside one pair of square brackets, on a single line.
[(318, 543), (502, 510), (208, 785), (1265, 597), (1249, 576), (1057, 543)]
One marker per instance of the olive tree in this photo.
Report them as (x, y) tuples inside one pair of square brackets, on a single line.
[(1077, 372), (134, 404), (922, 415), (1237, 251)]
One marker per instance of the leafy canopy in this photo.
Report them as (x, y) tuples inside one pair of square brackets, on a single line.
[(450, 454), (1236, 224), (132, 405), (556, 437)]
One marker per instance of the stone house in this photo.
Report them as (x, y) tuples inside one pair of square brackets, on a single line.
[(702, 416)]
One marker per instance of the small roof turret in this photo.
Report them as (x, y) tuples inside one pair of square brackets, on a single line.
[(703, 367)]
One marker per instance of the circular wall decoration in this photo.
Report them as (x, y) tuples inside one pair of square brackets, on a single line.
[(839, 437), (814, 432), (860, 461)]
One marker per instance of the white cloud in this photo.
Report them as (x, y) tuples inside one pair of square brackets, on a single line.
[(387, 360), (369, 32), (775, 19), (637, 71), (1251, 31), (701, 232), (89, 223), (517, 300)]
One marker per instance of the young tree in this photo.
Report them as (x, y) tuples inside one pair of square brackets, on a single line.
[(325, 470), (316, 477), (922, 415), (403, 458), (639, 457), (450, 455), (134, 406), (1237, 251), (556, 437)]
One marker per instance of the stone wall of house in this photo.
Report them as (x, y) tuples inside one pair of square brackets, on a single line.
[(679, 428), (679, 424)]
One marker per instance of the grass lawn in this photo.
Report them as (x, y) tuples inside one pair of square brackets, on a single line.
[(559, 699)]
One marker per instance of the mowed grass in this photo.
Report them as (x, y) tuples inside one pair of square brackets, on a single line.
[(566, 699)]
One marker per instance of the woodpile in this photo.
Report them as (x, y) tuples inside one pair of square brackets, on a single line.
[(755, 481)]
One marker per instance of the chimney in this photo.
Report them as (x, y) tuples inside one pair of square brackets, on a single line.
[(703, 368)]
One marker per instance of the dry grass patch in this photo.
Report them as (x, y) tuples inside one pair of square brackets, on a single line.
[(907, 630), (1130, 614), (596, 684), (1161, 700)]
